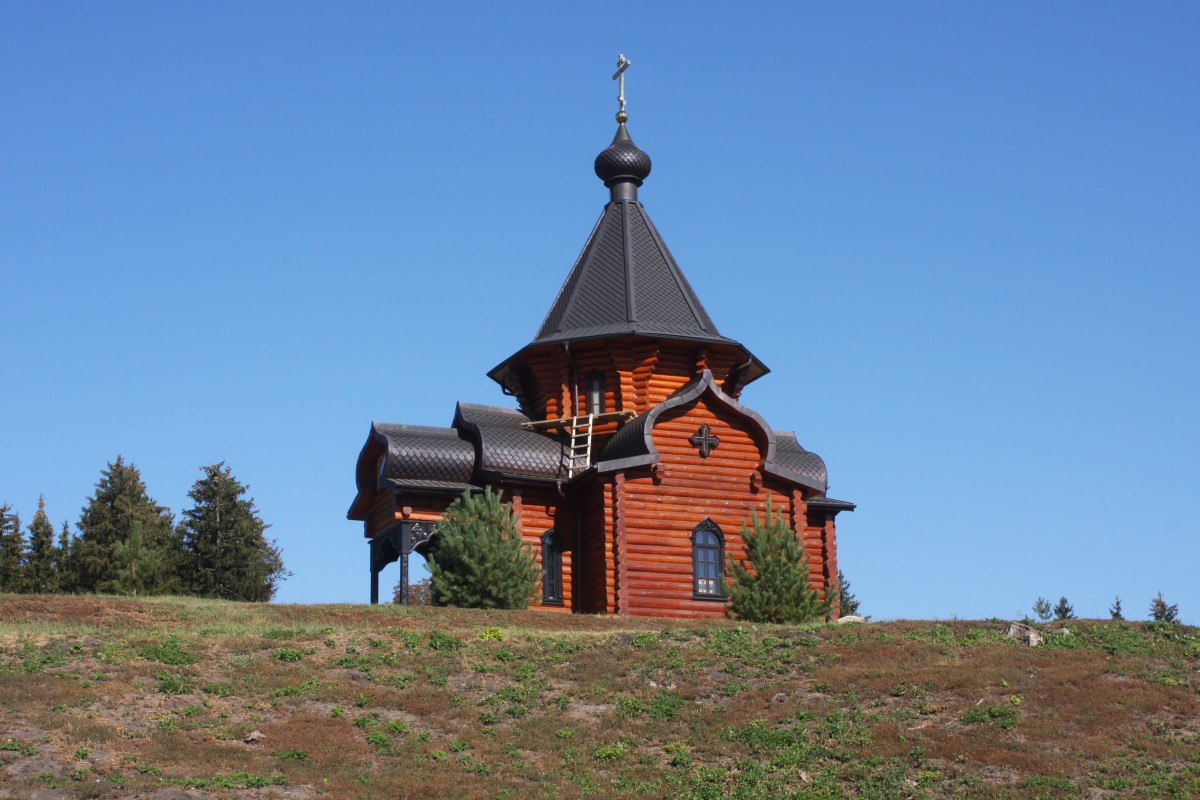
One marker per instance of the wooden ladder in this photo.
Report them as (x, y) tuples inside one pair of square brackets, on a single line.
[(581, 445)]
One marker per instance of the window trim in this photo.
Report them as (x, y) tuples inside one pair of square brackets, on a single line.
[(552, 576), (710, 528), (595, 379)]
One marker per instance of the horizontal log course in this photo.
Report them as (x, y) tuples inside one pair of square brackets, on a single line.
[(735, 475), (642, 549), (652, 517), (565, 608), (648, 599), (702, 487), (731, 448), (643, 569)]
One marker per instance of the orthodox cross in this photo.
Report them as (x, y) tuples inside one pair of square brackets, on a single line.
[(705, 440), (619, 76)]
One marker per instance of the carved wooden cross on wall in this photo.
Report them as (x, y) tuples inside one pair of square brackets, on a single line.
[(705, 440)]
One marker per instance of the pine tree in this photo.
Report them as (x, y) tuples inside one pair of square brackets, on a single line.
[(848, 602), (1042, 608), (228, 555), (108, 521), (12, 550), (1161, 612), (136, 563), (1114, 610), (1063, 610), (64, 563), (41, 571), (477, 558), (773, 586)]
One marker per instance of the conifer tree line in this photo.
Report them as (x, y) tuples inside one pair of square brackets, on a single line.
[(125, 543)]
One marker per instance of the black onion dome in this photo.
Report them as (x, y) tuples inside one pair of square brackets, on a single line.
[(622, 160)]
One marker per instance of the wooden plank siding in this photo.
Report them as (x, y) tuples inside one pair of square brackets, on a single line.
[(661, 512), (381, 514), (638, 374), (539, 513)]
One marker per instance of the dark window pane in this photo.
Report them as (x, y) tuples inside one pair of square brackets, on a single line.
[(551, 568), (708, 566)]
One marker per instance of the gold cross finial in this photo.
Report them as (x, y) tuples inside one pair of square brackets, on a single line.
[(619, 76)]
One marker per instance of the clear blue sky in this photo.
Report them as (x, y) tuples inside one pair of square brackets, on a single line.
[(964, 236)]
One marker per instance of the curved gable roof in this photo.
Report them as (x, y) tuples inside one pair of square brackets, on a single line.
[(504, 447), (633, 445)]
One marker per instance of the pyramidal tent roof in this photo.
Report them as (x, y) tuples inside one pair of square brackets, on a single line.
[(625, 281)]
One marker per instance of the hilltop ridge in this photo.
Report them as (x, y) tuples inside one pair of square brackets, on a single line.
[(163, 698)]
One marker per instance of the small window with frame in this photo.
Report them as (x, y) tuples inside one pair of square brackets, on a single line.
[(552, 588), (708, 562), (595, 393)]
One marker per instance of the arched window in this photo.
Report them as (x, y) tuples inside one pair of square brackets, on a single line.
[(708, 561), (552, 590)]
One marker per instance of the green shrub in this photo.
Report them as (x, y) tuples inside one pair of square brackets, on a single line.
[(610, 752), (168, 652), (477, 559), (1003, 717), (773, 585), (169, 683), (443, 642)]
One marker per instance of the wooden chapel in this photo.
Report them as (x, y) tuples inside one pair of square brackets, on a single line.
[(630, 461)]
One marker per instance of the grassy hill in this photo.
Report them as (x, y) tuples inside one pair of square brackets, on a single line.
[(164, 698)]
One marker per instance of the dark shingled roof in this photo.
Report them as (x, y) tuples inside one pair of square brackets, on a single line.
[(628, 442), (626, 282), (830, 503), (506, 448), (424, 452), (791, 457)]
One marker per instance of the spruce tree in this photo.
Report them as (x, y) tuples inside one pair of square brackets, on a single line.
[(1161, 612), (1042, 608), (477, 558), (136, 563), (108, 520), (773, 585), (1063, 610), (64, 564), (41, 571), (1114, 610), (848, 603), (12, 550), (228, 555)]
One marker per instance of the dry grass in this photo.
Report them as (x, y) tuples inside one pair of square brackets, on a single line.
[(106, 697)]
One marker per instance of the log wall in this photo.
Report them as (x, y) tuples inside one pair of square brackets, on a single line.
[(539, 512), (638, 373), (661, 511)]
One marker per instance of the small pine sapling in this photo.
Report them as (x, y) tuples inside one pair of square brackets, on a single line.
[(477, 559), (1063, 610), (1161, 612), (1042, 608), (1114, 610), (773, 585)]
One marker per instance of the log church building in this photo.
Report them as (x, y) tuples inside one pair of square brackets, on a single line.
[(629, 459)]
